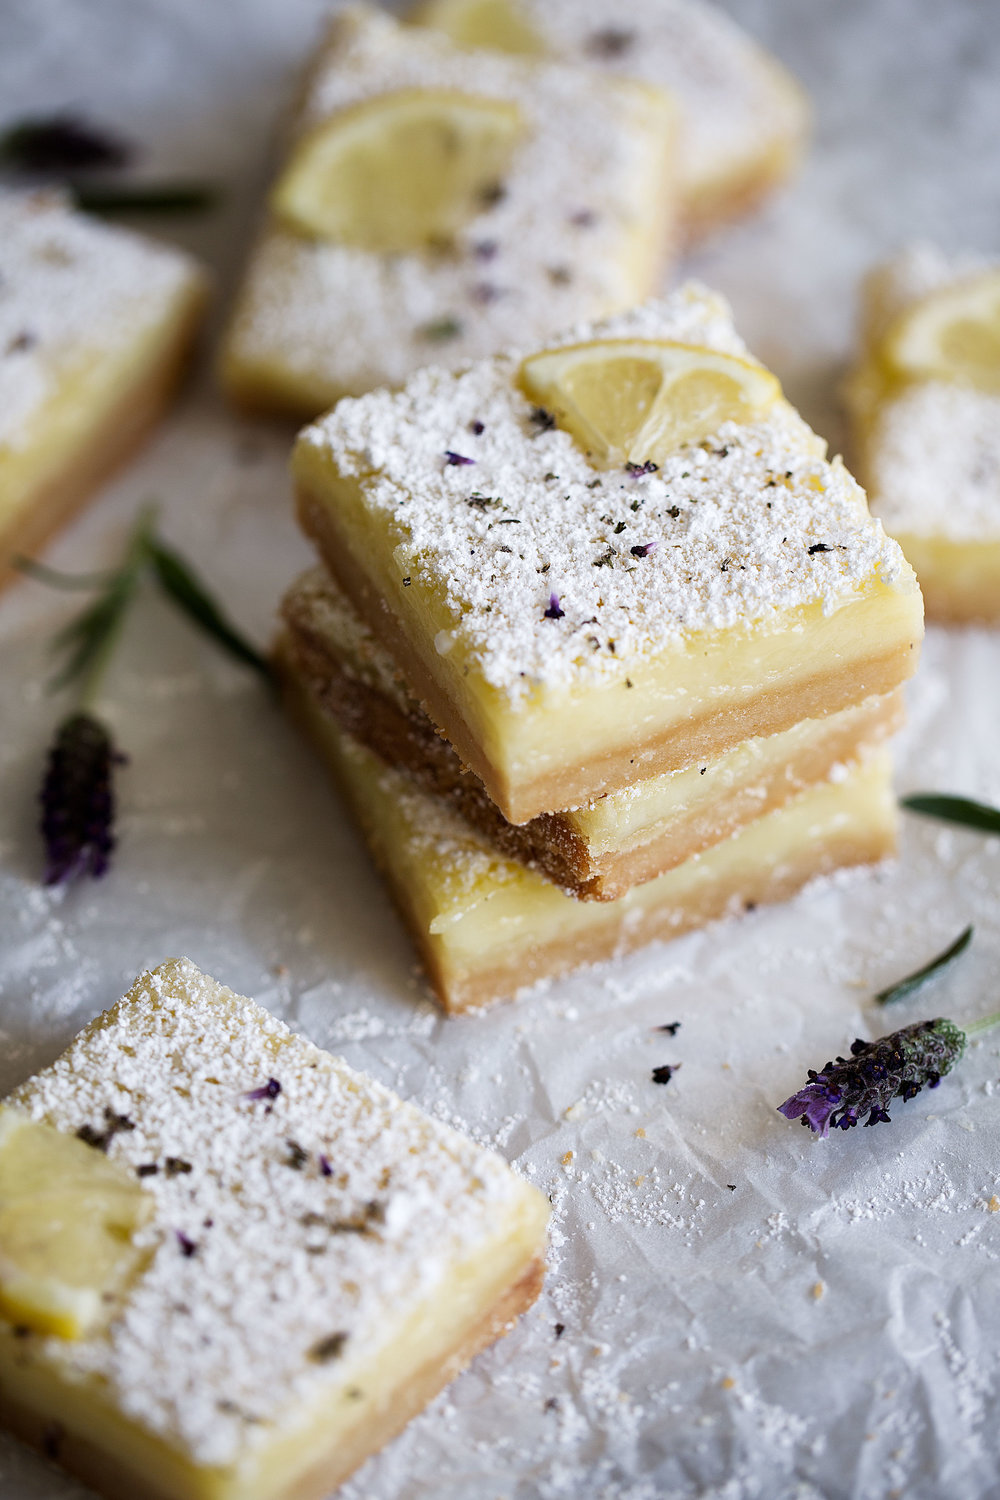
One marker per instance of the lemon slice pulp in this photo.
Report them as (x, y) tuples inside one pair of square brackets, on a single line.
[(401, 172), (67, 1220), (639, 400), (951, 334), (499, 24)]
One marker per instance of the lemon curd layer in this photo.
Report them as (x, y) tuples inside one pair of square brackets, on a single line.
[(601, 849), (929, 440), (572, 220), (570, 628), (318, 1258), (487, 926), (94, 324), (743, 118)]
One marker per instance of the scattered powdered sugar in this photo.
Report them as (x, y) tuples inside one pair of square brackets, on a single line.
[(735, 105), (322, 1208), (740, 529), (557, 245), (72, 290)]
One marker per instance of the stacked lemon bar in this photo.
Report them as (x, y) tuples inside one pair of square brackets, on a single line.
[(742, 118), (439, 204), (599, 622), (926, 402), (230, 1266), (95, 324)]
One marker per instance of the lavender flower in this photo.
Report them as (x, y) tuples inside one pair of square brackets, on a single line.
[(78, 801), (896, 1066), (453, 459), (269, 1090), (555, 610)]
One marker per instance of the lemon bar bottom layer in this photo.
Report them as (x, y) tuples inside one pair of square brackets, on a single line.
[(598, 851), (487, 927), (295, 1308)]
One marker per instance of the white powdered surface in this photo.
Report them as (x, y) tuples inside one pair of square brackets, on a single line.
[(732, 109), (725, 533), (554, 249), (696, 1361), (72, 290), (259, 1253), (935, 451)]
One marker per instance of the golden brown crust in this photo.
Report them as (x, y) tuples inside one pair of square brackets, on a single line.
[(106, 446)]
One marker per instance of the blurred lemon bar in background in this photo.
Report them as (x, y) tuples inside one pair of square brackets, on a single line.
[(925, 398), (743, 119), (95, 324), (439, 204)]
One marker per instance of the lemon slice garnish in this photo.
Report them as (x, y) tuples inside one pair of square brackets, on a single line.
[(951, 334), (639, 400), (499, 24), (401, 172), (67, 1220)]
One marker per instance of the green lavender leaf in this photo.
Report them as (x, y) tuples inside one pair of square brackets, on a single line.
[(88, 640), (182, 586), (962, 810), (149, 198), (905, 987)]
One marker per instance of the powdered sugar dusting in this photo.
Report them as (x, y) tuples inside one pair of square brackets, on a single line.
[(212, 1350), (752, 523), (71, 291), (556, 246)]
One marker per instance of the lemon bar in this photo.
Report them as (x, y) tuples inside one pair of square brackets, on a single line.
[(573, 619), (598, 851), (439, 205), (743, 118), (487, 926), (231, 1267), (95, 323), (926, 403)]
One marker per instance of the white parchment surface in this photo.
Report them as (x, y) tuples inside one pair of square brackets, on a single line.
[(745, 1310)]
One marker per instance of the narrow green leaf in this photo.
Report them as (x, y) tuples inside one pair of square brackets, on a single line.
[(56, 578), (151, 198), (949, 809), (179, 582), (913, 981)]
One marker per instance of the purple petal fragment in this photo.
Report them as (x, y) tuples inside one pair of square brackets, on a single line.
[(454, 460), (555, 610), (269, 1090)]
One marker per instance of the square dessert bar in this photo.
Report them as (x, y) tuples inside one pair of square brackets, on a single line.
[(578, 224), (742, 117), (598, 850), (316, 1257), (929, 446), (488, 926), (571, 627), (95, 323)]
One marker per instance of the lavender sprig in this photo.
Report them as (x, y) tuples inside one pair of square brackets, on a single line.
[(896, 1066), (78, 800)]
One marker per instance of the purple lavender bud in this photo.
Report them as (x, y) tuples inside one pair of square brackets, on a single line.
[(325, 1169), (637, 469), (77, 800), (555, 610), (187, 1247), (454, 459), (269, 1090), (896, 1066), (644, 549)]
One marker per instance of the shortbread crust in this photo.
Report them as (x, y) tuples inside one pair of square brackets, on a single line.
[(582, 228), (598, 851), (740, 589), (929, 450), (95, 323), (303, 1209), (487, 927), (743, 118)]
